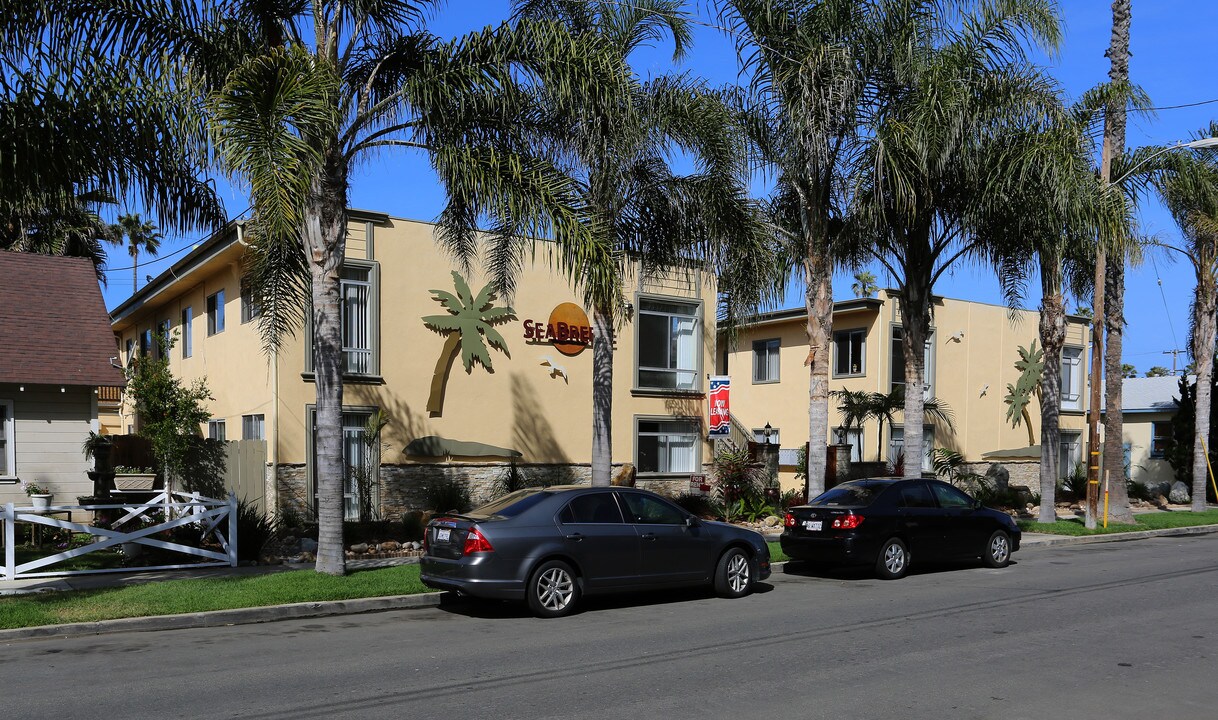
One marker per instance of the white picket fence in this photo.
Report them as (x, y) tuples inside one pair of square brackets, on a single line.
[(176, 510)]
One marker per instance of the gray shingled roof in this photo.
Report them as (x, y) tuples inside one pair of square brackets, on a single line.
[(1149, 394)]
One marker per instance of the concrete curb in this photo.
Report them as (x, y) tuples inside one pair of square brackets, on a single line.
[(1053, 540), (220, 618)]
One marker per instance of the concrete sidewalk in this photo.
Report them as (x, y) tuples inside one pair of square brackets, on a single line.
[(241, 616)]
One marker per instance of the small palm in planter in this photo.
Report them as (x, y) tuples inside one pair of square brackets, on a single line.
[(40, 496)]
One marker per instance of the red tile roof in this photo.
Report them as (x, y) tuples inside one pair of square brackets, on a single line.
[(54, 329)]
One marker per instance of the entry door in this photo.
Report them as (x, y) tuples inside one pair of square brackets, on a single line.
[(671, 551)]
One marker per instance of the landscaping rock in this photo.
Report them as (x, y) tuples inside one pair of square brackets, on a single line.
[(308, 545), (772, 521), (1179, 493), (416, 545), (359, 548), (998, 477), (1158, 488), (389, 546)]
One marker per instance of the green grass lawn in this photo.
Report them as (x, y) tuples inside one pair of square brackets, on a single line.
[(198, 595), (776, 553), (1147, 521)]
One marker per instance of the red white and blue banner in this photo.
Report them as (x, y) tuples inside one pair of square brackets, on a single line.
[(720, 409)]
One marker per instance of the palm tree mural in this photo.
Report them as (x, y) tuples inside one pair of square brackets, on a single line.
[(470, 327), (1031, 367)]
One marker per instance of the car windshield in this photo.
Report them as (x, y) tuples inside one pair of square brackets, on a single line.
[(850, 495), (510, 505)]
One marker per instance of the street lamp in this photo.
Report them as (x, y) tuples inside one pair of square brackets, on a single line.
[(1097, 328), (767, 431)]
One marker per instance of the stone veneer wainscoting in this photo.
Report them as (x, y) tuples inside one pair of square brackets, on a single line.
[(403, 487)]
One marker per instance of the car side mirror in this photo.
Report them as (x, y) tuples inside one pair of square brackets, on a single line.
[(691, 521), (977, 504)]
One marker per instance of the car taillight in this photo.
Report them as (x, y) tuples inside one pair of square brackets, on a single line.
[(847, 522), (788, 520), (426, 535), (476, 542)]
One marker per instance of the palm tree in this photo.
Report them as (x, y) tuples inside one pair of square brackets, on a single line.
[(1190, 192), (855, 407), (639, 209), (298, 92), (810, 65), (469, 325), (141, 235), (128, 139), (885, 406), (864, 285), (939, 156)]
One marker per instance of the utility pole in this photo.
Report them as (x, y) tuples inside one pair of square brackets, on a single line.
[(1174, 354)]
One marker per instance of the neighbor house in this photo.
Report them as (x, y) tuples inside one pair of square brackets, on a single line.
[(1148, 406), (970, 359), (57, 350), (526, 408)]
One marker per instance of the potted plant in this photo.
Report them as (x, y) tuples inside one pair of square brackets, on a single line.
[(40, 496), (133, 478)]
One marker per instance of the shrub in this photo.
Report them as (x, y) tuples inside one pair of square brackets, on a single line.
[(413, 526), (447, 495), (1075, 483), (790, 498), (254, 530), (699, 505), (736, 477), (515, 478)]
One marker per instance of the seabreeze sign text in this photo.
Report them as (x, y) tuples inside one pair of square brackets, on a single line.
[(568, 329)]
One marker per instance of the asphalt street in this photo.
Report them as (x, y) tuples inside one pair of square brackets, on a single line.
[(1120, 630)]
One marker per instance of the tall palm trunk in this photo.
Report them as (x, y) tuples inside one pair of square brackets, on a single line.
[(915, 323), (1114, 286), (1204, 308), (325, 242), (1052, 337), (602, 397), (1114, 425), (818, 281)]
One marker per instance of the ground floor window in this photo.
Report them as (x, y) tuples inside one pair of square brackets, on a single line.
[(216, 430), (667, 446), (8, 460), (253, 427), (1160, 435), (360, 467), (896, 445), (1070, 453)]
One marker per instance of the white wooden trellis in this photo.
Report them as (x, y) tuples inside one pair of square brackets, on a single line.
[(180, 509)]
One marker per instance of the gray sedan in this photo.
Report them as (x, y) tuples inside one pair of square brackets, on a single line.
[(550, 546)]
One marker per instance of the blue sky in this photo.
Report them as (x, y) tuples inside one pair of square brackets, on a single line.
[(1175, 59)]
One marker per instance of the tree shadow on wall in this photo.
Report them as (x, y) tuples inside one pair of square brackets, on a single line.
[(532, 434)]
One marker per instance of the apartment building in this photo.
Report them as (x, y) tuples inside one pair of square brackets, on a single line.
[(458, 406), (970, 359)]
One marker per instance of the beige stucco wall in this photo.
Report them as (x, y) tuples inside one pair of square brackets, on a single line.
[(519, 405), (970, 375), (51, 426)]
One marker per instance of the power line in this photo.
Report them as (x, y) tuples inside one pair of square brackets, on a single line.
[(1166, 310)]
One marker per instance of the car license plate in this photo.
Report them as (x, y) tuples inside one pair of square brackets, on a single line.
[(812, 524), (442, 534)]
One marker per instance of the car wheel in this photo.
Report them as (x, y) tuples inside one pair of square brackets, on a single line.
[(553, 591), (997, 552), (893, 561), (734, 575)]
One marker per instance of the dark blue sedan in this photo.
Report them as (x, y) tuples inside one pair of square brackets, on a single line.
[(891, 523), (550, 546)]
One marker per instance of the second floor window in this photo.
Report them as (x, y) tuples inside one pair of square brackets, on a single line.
[(897, 377), (668, 344), (215, 313), (188, 316), (215, 430), (765, 360), (253, 427), (357, 339), (162, 338), (249, 306), (146, 343), (848, 346), (1072, 378)]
